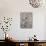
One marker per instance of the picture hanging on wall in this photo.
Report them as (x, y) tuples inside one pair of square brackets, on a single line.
[(26, 19), (36, 3)]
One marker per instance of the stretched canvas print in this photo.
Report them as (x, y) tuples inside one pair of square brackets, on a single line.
[(26, 19)]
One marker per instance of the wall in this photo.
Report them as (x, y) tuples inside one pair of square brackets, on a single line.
[(12, 8)]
